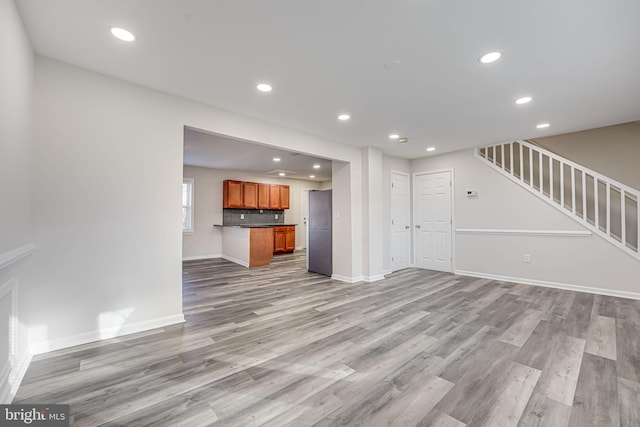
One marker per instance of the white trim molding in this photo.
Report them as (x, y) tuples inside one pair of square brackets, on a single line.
[(7, 259), (236, 260), (555, 285), (511, 232), (374, 278), (98, 335), (199, 257), (347, 279)]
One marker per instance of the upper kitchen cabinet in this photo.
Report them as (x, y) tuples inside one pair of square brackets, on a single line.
[(250, 195), (278, 196), (232, 194), (284, 197), (263, 196), (274, 196)]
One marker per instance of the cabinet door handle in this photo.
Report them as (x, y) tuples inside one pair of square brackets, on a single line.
[(418, 226), (407, 227)]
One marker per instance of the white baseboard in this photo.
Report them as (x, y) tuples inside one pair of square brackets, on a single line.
[(85, 338), (299, 248), (236, 260), (199, 257), (347, 279), (385, 272), (356, 279), (555, 285)]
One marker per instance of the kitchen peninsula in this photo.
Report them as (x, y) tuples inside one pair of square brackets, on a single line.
[(253, 227), (253, 245)]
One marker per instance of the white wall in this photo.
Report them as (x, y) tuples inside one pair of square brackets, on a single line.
[(206, 240), (589, 262), (16, 99), (389, 164), (326, 185), (613, 151), (372, 227), (16, 118), (107, 181)]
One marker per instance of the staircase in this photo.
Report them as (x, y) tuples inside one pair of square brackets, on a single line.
[(606, 207)]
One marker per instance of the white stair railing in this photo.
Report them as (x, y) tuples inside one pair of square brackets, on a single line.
[(604, 206)]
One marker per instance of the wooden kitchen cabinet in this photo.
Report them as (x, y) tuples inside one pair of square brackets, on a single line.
[(263, 196), (274, 196), (250, 195), (290, 239), (284, 239), (279, 240), (232, 194), (284, 197)]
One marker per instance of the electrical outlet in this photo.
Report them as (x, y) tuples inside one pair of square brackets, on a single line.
[(241, 216), (276, 216), (527, 258)]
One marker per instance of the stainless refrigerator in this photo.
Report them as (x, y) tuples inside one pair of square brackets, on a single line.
[(319, 247)]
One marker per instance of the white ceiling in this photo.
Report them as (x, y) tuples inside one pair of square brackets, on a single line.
[(218, 152), (579, 60)]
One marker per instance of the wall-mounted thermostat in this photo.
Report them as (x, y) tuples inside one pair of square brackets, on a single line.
[(472, 194)]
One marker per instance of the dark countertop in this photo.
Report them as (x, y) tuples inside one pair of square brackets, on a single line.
[(255, 225)]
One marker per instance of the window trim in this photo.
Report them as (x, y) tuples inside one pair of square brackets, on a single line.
[(189, 206)]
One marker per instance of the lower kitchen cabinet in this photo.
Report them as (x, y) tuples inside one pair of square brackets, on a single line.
[(284, 239)]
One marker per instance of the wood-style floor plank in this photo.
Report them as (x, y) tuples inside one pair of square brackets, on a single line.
[(278, 346), (596, 398), (601, 339), (629, 398)]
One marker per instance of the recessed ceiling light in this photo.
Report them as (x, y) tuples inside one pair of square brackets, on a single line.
[(264, 87), (490, 57), (431, 149), (344, 117), (394, 136), (276, 159), (316, 166), (312, 176), (282, 174), (403, 140), (543, 125), (122, 34), (523, 100)]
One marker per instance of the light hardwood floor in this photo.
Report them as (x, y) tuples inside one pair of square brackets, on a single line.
[(280, 346)]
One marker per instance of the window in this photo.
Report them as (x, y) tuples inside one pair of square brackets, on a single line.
[(187, 205)]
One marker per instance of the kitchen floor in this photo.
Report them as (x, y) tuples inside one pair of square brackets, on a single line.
[(277, 346)]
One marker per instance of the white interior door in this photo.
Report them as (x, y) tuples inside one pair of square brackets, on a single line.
[(433, 220), (400, 221)]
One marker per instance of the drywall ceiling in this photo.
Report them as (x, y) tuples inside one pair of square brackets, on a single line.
[(219, 152), (578, 60)]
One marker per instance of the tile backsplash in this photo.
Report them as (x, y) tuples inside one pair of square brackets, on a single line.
[(252, 216)]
